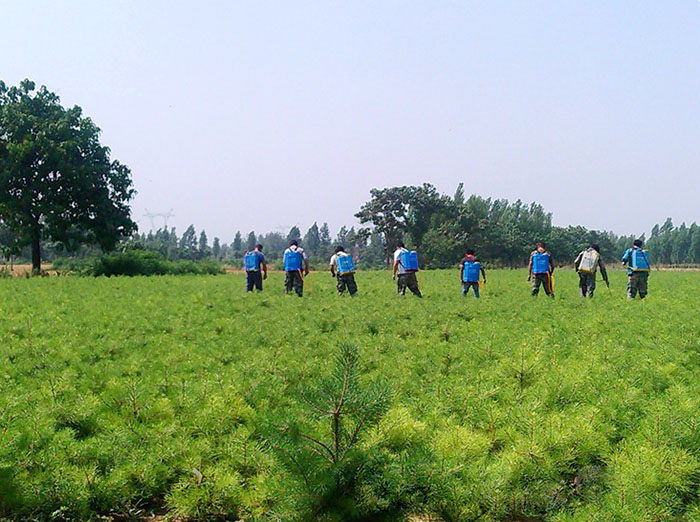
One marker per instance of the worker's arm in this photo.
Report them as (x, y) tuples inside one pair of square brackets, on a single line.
[(483, 274), (263, 264), (626, 257), (577, 261), (396, 267), (603, 271), (529, 268), (461, 272), (551, 264)]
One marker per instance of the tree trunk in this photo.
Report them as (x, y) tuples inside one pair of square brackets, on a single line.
[(36, 257)]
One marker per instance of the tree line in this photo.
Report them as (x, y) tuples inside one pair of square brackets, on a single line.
[(502, 233), (440, 227), (62, 194)]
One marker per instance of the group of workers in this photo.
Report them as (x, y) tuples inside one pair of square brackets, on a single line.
[(540, 270)]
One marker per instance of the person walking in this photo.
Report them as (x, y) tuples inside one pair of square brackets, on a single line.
[(343, 268), (406, 265), (469, 270), (253, 262), (541, 265), (587, 263), (637, 262), (294, 261)]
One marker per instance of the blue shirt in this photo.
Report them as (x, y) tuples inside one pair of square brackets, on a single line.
[(627, 259)]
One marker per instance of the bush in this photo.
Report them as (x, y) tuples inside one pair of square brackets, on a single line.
[(131, 262), (69, 265), (146, 262)]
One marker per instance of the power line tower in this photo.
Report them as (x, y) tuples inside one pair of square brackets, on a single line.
[(164, 215)]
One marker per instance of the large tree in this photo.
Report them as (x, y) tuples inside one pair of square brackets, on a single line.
[(57, 181), (397, 211)]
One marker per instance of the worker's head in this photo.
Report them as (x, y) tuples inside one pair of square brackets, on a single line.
[(541, 247), (293, 242), (470, 251), (259, 247), (595, 247), (339, 248), (400, 245), (638, 243)]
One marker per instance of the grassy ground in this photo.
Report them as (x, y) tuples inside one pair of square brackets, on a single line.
[(131, 396)]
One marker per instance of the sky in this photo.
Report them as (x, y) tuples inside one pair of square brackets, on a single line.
[(262, 115)]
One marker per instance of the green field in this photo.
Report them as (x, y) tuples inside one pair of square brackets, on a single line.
[(184, 397)]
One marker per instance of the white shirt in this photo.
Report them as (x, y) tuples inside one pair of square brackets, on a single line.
[(297, 249), (397, 257), (334, 258)]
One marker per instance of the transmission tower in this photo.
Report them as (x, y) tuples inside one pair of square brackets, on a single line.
[(164, 215)]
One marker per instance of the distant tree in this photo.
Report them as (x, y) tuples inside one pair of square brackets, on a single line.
[(274, 244), (237, 245), (203, 250), (459, 195), (342, 235), (188, 244), (294, 234), (666, 227), (372, 253), (173, 242), (226, 251), (312, 240), (57, 181), (423, 204), (694, 254), (680, 244), (325, 235), (251, 241), (216, 248)]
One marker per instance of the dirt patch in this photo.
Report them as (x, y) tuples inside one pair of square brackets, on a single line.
[(25, 270)]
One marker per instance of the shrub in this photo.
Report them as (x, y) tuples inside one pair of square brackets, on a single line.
[(147, 262)]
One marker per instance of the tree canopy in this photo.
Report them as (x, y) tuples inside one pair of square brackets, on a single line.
[(57, 181)]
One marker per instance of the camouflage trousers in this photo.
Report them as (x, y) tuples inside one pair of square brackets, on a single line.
[(586, 283), (637, 282), (542, 279), (295, 281), (347, 281), (408, 280)]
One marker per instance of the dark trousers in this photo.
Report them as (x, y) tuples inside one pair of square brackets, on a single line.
[(408, 280), (253, 279), (637, 282), (347, 281), (293, 280), (466, 285), (542, 279)]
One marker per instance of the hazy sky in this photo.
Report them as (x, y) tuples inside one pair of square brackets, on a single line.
[(259, 115)]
